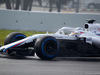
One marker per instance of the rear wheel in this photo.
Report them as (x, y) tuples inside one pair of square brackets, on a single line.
[(47, 47)]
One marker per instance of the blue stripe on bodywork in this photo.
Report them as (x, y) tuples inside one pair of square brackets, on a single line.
[(98, 34), (13, 45)]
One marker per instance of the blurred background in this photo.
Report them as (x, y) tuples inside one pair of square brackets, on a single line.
[(66, 6)]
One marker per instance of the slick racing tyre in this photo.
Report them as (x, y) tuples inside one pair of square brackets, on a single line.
[(12, 37), (47, 47)]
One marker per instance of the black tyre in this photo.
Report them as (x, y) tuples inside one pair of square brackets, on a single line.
[(47, 47), (12, 37)]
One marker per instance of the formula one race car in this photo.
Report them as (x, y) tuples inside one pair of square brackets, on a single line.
[(80, 42)]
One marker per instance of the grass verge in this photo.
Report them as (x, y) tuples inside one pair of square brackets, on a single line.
[(4, 33)]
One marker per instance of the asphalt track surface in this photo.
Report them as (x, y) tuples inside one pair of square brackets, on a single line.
[(57, 66)]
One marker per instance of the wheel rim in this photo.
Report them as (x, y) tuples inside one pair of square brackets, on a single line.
[(17, 37), (50, 47)]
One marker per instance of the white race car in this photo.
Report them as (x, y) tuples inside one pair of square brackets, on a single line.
[(79, 42)]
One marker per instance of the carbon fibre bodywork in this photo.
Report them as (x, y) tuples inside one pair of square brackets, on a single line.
[(77, 48)]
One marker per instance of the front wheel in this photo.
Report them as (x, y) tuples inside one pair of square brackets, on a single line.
[(13, 37), (47, 47)]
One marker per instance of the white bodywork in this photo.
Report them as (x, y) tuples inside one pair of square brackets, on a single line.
[(91, 34)]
